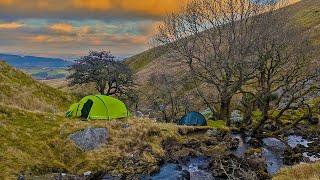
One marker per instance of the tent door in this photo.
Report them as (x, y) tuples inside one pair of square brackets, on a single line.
[(85, 111)]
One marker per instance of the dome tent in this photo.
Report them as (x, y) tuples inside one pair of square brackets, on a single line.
[(193, 119), (98, 107)]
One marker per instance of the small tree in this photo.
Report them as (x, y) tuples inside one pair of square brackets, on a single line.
[(109, 76), (166, 97)]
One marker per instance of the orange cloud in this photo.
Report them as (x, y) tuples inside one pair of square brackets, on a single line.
[(96, 8), (92, 4), (50, 39), (61, 27), (83, 8), (139, 40), (6, 2), (12, 25), (151, 7), (84, 30), (40, 38), (95, 42)]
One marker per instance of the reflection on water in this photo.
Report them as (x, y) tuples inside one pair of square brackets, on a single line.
[(193, 169), (273, 158)]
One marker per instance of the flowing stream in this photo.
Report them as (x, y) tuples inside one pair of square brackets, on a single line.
[(192, 169), (294, 141), (272, 156), (272, 151)]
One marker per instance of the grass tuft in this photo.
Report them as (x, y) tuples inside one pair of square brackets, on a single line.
[(301, 171), (20, 90)]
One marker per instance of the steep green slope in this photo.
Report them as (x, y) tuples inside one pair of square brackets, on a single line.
[(305, 13), (20, 90), (140, 61)]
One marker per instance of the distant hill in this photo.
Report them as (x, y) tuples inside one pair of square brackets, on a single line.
[(38, 67), (31, 62), (19, 90)]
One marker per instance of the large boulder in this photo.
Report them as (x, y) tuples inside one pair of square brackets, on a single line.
[(236, 117), (213, 132), (274, 144), (90, 138), (207, 113), (138, 114)]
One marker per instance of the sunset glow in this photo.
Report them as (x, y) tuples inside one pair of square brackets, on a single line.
[(70, 28)]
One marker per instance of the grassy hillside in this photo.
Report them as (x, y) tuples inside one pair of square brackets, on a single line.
[(37, 144), (34, 141), (140, 61), (20, 90), (305, 13), (78, 91)]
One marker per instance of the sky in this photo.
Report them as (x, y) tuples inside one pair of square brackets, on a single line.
[(70, 28)]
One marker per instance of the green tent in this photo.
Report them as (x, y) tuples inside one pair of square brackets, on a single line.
[(98, 107)]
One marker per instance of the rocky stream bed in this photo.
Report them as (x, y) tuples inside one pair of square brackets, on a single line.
[(224, 155)]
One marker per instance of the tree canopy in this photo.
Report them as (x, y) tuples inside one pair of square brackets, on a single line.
[(110, 77)]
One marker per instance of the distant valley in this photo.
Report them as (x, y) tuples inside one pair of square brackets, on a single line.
[(39, 67)]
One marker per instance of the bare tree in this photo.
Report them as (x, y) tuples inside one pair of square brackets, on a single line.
[(110, 77), (215, 39), (285, 74), (166, 98)]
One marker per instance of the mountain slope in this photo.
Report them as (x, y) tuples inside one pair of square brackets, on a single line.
[(305, 13), (38, 67), (26, 62), (20, 90), (140, 61)]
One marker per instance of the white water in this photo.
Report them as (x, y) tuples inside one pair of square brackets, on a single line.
[(174, 171), (294, 141)]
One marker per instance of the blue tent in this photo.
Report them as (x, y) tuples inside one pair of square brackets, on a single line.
[(193, 119)]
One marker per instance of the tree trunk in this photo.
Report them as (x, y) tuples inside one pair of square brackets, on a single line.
[(225, 109), (248, 115), (165, 116), (109, 91), (265, 115), (172, 107), (101, 87), (214, 113), (200, 94)]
